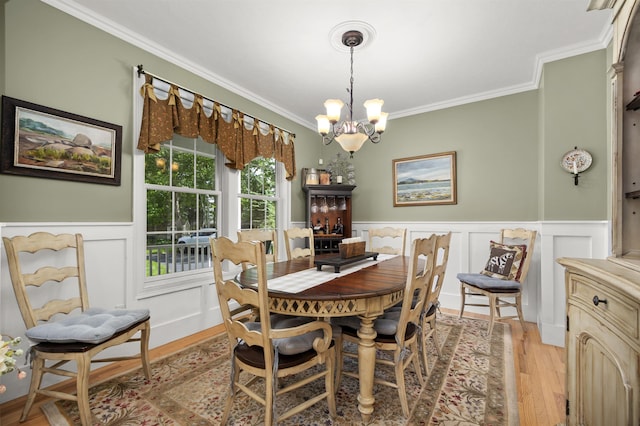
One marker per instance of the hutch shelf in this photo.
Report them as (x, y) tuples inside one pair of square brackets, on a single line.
[(328, 212)]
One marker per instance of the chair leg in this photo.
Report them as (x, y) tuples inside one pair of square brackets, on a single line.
[(416, 362), (82, 383), (399, 370), (337, 339), (520, 316), (435, 336), (269, 415), (423, 349), (329, 382), (36, 380), (144, 350), (492, 313), (232, 394), (463, 295)]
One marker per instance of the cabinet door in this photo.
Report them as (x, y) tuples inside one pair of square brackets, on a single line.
[(602, 374)]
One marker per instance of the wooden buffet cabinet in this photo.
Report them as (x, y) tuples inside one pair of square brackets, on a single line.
[(602, 343), (602, 340), (329, 204)]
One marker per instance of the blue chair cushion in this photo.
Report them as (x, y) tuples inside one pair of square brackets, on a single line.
[(382, 325), (92, 326), (489, 283), (290, 345)]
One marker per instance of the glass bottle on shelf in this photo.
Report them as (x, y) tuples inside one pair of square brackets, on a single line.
[(338, 228)]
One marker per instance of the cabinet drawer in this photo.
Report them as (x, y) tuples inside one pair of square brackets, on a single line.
[(622, 313)]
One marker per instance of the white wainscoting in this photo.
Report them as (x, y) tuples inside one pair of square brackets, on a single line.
[(544, 293), (110, 248)]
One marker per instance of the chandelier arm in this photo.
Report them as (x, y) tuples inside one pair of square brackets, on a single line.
[(327, 139)]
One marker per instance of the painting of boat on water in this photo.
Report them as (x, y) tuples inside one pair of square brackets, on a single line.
[(44, 142), (425, 180)]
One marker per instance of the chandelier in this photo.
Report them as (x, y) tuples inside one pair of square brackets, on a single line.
[(350, 134)]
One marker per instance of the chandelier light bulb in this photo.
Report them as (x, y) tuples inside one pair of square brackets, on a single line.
[(381, 124), (374, 109), (334, 109), (323, 124)]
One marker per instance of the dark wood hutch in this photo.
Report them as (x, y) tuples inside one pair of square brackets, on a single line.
[(328, 212)]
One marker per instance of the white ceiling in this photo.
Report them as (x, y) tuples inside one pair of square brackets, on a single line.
[(424, 54)]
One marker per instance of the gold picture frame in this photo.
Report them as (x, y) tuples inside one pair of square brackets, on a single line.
[(425, 180), (48, 143)]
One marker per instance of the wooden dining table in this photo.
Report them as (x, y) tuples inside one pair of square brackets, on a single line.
[(365, 292)]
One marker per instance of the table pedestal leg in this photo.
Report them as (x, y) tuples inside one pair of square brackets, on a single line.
[(366, 366)]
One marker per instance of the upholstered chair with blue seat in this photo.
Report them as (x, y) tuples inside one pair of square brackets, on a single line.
[(503, 276), (266, 349), (54, 303), (430, 309), (399, 332)]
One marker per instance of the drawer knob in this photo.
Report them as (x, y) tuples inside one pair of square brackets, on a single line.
[(597, 300)]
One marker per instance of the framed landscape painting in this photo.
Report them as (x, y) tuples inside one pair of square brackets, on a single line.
[(425, 180), (48, 143)]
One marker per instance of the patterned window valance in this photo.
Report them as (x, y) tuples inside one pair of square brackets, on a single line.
[(240, 137)]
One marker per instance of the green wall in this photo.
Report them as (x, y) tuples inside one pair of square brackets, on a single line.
[(508, 152), (508, 148), (53, 59), (574, 109)]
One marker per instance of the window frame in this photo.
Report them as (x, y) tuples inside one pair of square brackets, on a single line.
[(227, 183)]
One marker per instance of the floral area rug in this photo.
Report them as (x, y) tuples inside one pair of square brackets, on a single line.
[(472, 383)]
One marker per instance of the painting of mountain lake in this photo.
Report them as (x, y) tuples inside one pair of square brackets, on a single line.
[(48, 143), (425, 180)]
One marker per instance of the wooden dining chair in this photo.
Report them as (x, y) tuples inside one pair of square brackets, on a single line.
[(267, 236), (65, 330), (430, 310), (398, 332), (296, 234), (268, 349), (380, 238), (502, 277)]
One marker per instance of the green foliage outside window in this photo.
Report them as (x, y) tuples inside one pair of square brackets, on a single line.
[(258, 191)]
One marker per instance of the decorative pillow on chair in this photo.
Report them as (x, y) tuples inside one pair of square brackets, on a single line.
[(505, 261)]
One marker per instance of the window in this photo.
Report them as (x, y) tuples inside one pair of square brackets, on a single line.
[(182, 206), (184, 194), (258, 202)]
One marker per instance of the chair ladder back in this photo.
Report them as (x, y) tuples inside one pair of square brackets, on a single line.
[(264, 235), (418, 279), (296, 252), (528, 238), (440, 260), (387, 232), (39, 245), (243, 252)]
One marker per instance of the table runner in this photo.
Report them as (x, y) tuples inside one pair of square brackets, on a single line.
[(300, 281)]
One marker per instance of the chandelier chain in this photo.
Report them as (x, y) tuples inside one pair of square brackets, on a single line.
[(351, 89)]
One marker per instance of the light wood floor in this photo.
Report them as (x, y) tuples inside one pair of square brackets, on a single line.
[(539, 374)]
